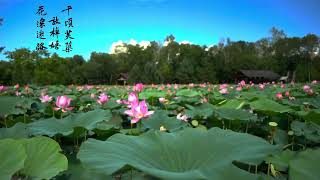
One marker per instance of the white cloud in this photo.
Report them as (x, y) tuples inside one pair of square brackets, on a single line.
[(144, 44), (120, 46), (185, 42), (208, 48)]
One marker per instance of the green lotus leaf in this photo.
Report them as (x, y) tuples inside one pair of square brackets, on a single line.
[(186, 154), (312, 115), (77, 172), (44, 159), (161, 118), (204, 110), (19, 130), (187, 93), (65, 126), (269, 106), (235, 114), (310, 130), (233, 104), (8, 104), (152, 94), (305, 165), (12, 155)]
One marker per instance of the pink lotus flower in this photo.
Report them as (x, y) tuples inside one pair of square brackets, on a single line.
[(182, 117), (307, 89), (18, 93), (133, 98), (162, 87), (279, 96), (45, 98), (223, 86), (203, 85), (261, 86), (242, 83), (138, 87), (138, 112), (176, 86), (119, 101), (191, 85), (88, 87), (2, 88), (314, 82), (63, 103), (282, 86), (103, 98), (17, 86), (239, 88), (224, 91), (287, 94), (168, 85)]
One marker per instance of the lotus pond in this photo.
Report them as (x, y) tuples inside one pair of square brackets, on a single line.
[(196, 131)]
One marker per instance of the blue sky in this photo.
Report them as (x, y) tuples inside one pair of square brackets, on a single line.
[(98, 23)]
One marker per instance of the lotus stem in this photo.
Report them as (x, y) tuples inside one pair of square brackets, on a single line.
[(256, 169), (5, 122), (247, 126)]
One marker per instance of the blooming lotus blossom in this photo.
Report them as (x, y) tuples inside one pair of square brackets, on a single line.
[(63, 103), (45, 98), (261, 86), (17, 86), (2, 88), (168, 85), (223, 86), (191, 85), (242, 83), (279, 96), (103, 98), (182, 117), (176, 86), (314, 82), (307, 89), (224, 91), (133, 98), (138, 111), (138, 87), (282, 86)]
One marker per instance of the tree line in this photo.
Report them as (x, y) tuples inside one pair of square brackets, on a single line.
[(170, 63)]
